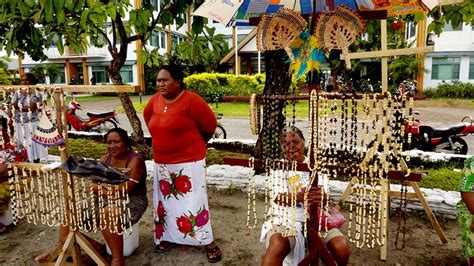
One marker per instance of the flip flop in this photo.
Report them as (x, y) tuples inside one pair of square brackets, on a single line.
[(213, 254), (164, 246)]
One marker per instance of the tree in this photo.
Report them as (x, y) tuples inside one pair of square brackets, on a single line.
[(202, 52), (31, 26), (49, 70)]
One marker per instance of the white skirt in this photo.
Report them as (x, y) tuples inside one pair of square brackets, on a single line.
[(24, 136), (181, 209)]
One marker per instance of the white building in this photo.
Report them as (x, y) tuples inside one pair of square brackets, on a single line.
[(452, 58)]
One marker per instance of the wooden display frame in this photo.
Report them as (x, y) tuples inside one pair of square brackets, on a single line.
[(75, 240)]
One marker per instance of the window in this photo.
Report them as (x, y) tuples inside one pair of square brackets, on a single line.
[(157, 39), (154, 39), (175, 40), (449, 27), (127, 74), (471, 68), (100, 74), (445, 68), (410, 30), (163, 40), (155, 4), (61, 78)]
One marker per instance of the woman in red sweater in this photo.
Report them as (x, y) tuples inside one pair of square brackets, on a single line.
[(180, 123)]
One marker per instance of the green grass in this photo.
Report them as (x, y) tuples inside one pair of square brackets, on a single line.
[(83, 147), (443, 178)]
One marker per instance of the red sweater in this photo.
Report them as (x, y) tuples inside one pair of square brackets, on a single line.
[(176, 132)]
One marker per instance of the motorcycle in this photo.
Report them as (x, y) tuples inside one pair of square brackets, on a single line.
[(100, 122), (220, 132), (408, 87), (446, 139)]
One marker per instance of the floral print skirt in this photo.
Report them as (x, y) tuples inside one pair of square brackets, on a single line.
[(181, 209)]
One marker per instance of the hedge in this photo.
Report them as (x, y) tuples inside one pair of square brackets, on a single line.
[(455, 89), (212, 86)]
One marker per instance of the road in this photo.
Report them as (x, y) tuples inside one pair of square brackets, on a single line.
[(238, 128)]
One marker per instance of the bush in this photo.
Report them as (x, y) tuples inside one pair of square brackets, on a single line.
[(455, 89), (212, 86)]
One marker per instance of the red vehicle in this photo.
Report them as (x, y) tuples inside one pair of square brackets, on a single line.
[(100, 122), (440, 139)]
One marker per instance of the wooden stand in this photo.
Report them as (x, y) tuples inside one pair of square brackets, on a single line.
[(386, 195), (75, 240)]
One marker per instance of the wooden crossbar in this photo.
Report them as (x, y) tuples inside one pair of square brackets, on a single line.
[(388, 53)]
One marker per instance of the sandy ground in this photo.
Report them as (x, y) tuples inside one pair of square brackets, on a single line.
[(240, 246)]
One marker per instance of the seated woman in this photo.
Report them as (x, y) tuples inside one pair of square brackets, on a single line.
[(465, 209), (8, 154), (119, 155), (289, 249)]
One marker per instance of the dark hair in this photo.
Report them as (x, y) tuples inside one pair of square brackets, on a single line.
[(31, 77), (175, 72), (123, 135)]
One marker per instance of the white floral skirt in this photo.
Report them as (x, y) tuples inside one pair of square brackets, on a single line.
[(181, 209)]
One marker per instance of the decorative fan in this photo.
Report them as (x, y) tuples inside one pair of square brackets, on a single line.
[(339, 29), (46, 133), (277, 31), (305, 54)]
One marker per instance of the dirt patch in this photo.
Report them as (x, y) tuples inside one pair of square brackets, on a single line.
[(239, 245)]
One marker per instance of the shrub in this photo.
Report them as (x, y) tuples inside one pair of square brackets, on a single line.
[(212, 86), (454, 89)]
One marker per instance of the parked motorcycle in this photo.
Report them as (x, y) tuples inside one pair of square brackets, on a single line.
[(220, 132), (408, 87), (100, 122), (440, 139)]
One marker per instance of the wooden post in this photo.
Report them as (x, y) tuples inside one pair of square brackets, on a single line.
[(420, 42), (383, 32)]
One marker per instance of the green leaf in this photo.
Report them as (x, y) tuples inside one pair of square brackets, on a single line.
[(58, 5), (61, 16), (69, 4), (23, 9), (84, 16), (37, 16), (198, 25), (49, 10), (60, 44), (419, 16), (111, 12)]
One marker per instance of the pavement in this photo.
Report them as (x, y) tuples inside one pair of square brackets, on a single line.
[(238, 128)]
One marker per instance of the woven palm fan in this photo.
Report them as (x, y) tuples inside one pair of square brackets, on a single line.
[(277, 31), (339, 29), (46, 133)]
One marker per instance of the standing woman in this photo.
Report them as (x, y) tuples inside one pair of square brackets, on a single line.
[(26, 116), (180, 123)]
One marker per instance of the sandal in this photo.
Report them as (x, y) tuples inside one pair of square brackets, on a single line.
[(213, 254), (164, 246)]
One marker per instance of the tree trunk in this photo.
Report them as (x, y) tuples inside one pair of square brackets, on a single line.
[(138, 137), (277, 82)]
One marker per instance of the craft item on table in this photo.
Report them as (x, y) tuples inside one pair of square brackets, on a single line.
[(95, 170), (47, 133), (305, 54), (277, 31), (338, 30)]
